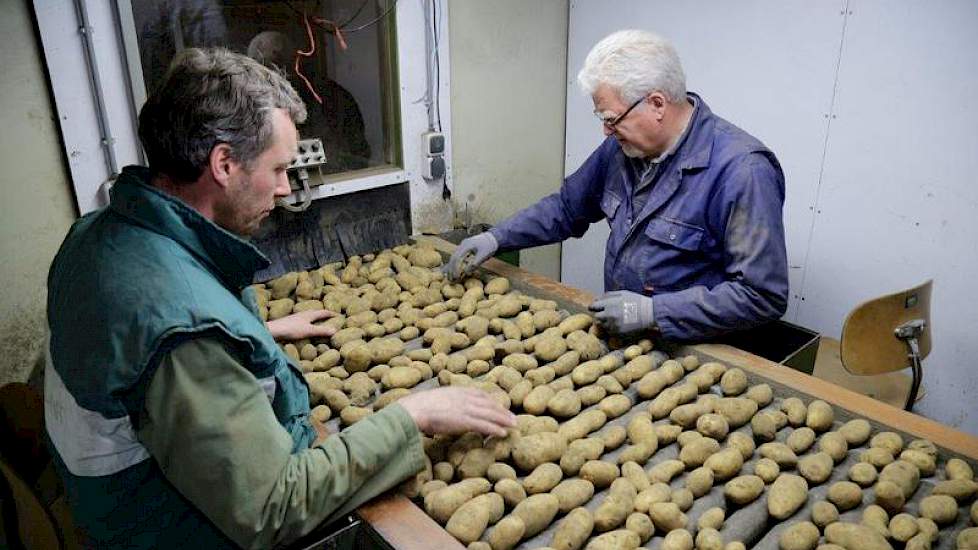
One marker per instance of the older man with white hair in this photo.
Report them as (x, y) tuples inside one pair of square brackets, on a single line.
[(694, 203)]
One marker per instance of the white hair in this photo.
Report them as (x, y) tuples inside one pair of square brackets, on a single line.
[(634, 63)]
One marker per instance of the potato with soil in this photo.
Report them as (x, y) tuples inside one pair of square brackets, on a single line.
[(796, 410), (533, 450), (696, 453), (941, 509), (816, 467), (820, 416), (679, 539), (599, 473), (471, 519), (725, 464), (619, 539), (613, 510), (799, 536), (537, 512), (507, 533), (572, 493), (852, 536), (543, 478), (801, 439), (573, 531), (824, 513), (733, 382), (846, 495), (565, 404), (511, 490), (442, 504), (667, 516), (787, 494), (737, 410), (743, 489)]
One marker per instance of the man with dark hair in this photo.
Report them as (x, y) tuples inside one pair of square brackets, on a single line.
[(175, 418)]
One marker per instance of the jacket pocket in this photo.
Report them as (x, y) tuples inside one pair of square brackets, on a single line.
[(609, 205), (675, 233)]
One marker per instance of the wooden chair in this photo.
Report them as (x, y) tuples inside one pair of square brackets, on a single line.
[(888, 334)]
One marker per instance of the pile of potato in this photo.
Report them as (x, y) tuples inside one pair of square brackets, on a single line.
[(614, 448)]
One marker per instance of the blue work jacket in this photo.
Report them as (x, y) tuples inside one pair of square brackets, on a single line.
[(707, 245)]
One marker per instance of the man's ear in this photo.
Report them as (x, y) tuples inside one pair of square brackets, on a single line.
[(658, 102), (221, 164)]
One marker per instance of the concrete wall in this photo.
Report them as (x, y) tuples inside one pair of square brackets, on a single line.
[(37, 205), (508, 88)]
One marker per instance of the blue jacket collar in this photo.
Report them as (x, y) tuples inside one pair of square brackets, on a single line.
[(232, 259), (695, 152)]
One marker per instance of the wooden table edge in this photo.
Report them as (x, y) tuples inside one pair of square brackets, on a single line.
[(405, 526)]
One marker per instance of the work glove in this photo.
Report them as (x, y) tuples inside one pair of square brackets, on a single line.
[(470, 254), (623, 311)]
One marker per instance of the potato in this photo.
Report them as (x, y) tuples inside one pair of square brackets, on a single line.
[(666, 434), (667, 516), (801, 439), (549, 348), (511, 490), (780, 453), (471, 519), (787, 494), (743, 489), (651, 384), (507, 533), (856, 432), (833, 444), (738, 411), (565, 403), (733, 382), (713, 425), (816, 468), (863, 474), (903, 527), (696, 453), (598, 472), (802, 535), (846, 495), (767, 469), (923, 461), (796, 410), (442, 504), (961, 490), (682, 498), (958, 469), (760, 394), (537, 512), (904, 474), (711, 519), (579, 321), (967, 539), (533, 450), (500, 470), (613, 510), (573, 530), (583, 424), (824, 513), (891, 441), (928, 528), (889, 496), (543, 478), (700, 481), (709, 539), (351, 415), (735, 545), (615, 405), (852, 536), (942, 509), (389, 397), (535, 402), (636, 475), (743, 443), (619, 539), (664, 471), (763, 426), (877, 456), (876, 518), (725, 464), (475, 463), (680, 539), (572, 493), (401, 377), (641, 525)]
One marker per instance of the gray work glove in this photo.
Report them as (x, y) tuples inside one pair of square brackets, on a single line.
[(470, 254), (623, 311)]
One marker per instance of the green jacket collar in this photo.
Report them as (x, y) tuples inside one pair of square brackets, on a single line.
[(233, 260)]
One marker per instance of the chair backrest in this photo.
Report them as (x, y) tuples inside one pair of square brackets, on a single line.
[(27, 521), (868, 345)]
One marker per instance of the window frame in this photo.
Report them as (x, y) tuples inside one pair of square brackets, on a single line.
[(96, 102)]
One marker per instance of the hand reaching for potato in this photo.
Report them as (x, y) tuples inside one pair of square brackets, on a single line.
[(300, 325), (455, 410)]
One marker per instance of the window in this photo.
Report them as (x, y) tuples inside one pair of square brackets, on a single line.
[(339, 55)]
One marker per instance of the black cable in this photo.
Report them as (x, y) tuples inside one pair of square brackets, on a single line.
[(371, 22), (355, 15), (437, 98)]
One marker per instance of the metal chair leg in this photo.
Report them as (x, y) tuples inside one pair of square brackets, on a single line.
[(908, 332)]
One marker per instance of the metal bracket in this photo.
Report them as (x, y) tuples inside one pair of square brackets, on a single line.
[(909, 332)]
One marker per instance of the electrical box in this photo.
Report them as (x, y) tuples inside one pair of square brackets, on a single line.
[(433, 143)]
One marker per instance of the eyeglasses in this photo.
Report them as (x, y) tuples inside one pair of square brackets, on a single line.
[(610, 124)]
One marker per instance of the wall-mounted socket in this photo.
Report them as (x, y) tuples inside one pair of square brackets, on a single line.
[(432, 143)]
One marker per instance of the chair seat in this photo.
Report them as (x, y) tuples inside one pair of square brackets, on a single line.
[(891, 388)]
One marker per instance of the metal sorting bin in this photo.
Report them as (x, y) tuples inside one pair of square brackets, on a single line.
[(780, 341)]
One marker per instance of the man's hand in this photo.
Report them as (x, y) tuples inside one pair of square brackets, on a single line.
[(469, 254), (300, 325), (623, 311), (456, 410)]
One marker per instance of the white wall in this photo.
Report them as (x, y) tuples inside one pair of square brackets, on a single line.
[(869, 105), (508, 88), (37, 205)]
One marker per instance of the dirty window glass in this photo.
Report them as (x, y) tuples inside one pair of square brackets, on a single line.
[(339, 55)]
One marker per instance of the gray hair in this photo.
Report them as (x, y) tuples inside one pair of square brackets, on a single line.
[(634, 63), (209, 97)]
